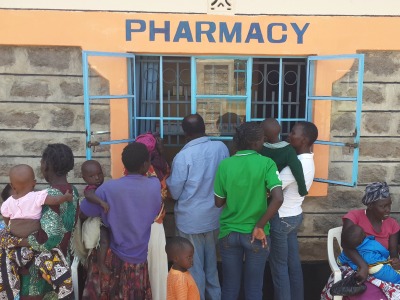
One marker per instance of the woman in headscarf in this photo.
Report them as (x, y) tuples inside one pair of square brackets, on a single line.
[(375, 221)]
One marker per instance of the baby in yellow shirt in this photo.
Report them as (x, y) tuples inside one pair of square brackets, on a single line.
[(180, 283)]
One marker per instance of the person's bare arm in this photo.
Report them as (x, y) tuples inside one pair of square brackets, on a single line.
[(273, 205), (24, 243), (56, 200), (394, 256), (219, 202), (91, 196), (355, 257), (22, 228), (6, 220)]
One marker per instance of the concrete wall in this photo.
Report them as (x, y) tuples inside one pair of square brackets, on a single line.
[(41, 102), (379, 151)]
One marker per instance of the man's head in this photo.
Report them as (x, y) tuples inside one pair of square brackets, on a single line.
[(193, 126), (303, 136), (135, 158)]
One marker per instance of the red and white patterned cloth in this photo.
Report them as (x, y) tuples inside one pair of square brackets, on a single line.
[(391, 291)]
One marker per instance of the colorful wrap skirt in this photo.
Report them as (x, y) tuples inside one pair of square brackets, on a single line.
[(127, 281)]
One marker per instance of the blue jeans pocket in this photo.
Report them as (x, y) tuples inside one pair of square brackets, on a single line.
[(256, 245), (224, 242)]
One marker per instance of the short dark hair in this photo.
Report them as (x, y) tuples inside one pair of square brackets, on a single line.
[(134, 156), (193, 125), (310, 131), (246, 134), (87, 163), (59, 157), (6, 192), (175, 245)]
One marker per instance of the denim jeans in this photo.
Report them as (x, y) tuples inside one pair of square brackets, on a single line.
[(204, 270), (284, 260), (234, 248)]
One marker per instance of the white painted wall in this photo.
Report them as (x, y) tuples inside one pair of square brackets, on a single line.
[(252, 7)]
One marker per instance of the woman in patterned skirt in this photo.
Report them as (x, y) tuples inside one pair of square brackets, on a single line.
[(57, 221), (134, 202)]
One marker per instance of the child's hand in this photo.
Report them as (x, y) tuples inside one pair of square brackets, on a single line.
[(259, 234), (68, 196), (105, 206)]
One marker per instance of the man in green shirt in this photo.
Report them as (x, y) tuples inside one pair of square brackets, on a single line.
[(241, 186)]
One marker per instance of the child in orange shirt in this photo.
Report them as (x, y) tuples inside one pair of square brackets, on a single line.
[(180, 284)]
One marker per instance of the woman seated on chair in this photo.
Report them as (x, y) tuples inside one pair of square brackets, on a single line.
[(375, 221)]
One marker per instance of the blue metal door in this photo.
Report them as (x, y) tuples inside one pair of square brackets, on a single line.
[(335, 83), (98, 97)]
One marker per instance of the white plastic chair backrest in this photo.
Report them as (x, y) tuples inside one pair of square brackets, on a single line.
[(334, 233)]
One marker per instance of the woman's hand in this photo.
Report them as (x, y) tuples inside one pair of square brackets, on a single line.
[(259, 234), (24, 243), (395, 263), (361, 274)]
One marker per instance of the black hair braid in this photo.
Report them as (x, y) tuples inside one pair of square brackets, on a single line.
[(59, 157), (246, 134)]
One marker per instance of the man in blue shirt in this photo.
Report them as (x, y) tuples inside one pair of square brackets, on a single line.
[(191, 184)]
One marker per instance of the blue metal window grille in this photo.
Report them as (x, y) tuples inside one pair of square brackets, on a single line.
[(101, 138), (226, 91), (278, 91), (221, 93), (163, 96), (348, 93)]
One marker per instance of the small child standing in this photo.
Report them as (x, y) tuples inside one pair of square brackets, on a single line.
[(21, 213), (373, 253), (180, 283), (92, 174), (282, 153)]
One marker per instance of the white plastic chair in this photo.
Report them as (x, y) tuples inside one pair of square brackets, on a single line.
[(74, 274), (334, 233)]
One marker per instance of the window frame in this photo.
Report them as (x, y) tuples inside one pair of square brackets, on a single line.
[(310, 97), (132, 98)]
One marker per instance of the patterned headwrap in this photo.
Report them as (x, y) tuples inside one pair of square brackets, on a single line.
[(374, 192)]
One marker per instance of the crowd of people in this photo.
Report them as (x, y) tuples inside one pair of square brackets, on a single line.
[(247, 207)]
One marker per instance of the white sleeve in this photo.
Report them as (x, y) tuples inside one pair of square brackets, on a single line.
[(286, 177), (40, 198)]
